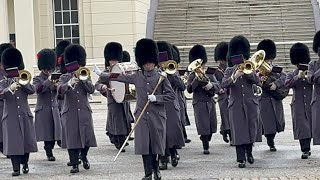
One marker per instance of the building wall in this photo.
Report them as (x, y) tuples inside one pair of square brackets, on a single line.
[(11, 16)]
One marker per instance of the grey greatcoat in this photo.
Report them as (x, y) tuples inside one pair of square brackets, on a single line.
[(117, 123), (271, 110), (203, 104), (243, 107), (314, 78), (47, 115), (77, 123), (300, 105), (19, 135), (223, 101), (151, 130), (2, 76), (174, 122)]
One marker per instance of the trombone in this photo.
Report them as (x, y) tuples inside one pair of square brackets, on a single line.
[(170, 67), (196, 67)]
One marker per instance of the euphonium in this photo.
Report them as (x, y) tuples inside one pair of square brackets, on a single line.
[(24, 77), (170, 67), (196, 67), (83, 73)]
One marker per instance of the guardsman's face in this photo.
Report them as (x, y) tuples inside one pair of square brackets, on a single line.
[(148, 66), (113, 62)]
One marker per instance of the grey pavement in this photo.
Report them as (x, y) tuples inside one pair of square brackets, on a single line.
[(220, 164)]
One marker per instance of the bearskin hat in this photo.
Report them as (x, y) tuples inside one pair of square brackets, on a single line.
[(61, 46), (299, 54), (75, 52), (146, 51), (220, 52), (112, 51), (165, 47), (238, 45), (176, 54), (47, 59), (3, 47), (316, 42), (12, 58), (126, 56), (269, 47), (198, 52)]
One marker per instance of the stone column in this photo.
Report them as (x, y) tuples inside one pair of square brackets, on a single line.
[(24, 27)]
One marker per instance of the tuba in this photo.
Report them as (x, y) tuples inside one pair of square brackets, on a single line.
[(24, 77), (196, 67), (170, 67), (83, 73)]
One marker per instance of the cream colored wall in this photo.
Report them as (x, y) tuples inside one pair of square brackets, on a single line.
[(45, 26), (11, 16), (123, 21)]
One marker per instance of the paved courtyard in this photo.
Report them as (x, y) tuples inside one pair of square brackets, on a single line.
[(220, 164)]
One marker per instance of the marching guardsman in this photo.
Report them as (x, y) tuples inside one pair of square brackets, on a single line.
[(47, 115), (117, 124), (19, 137), (243, 104), (220, 55), (76, 115), (182, 99), (271, 109), (3, 47), (302, 94), (203, 88), (130, 118), (314, 78), (61, 46), (150, 132), (175, 139)]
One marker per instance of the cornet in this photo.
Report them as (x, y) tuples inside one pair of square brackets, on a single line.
[(196, 67), (23, 79)]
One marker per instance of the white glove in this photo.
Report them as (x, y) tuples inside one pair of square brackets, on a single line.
[(208, 86), (97, 70), (14, 86), (71, 82), (273, 87), (152, 98)]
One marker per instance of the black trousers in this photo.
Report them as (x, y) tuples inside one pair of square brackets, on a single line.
[(184, 132), (242, 150), (270, 139), (118, 140), (169, 152), (305, 144), (75, 154), (205, 141), (48, 146), (16, 160), (150, 162)]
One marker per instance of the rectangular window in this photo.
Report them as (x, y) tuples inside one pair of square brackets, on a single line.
[(66, 21)]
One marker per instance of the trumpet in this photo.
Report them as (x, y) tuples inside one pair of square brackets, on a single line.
[(170, 67), (247, 67), (196, 67), (83, 73), (303, 74)]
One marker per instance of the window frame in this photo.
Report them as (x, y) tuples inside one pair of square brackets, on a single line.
[(72, 38)]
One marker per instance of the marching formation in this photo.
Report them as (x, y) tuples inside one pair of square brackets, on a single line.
[(249, 91)]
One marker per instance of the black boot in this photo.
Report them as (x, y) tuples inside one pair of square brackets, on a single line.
[(69, 163), (242, 164), (305, 155), (74, 169), (224, 136), (25, 169), (157, 174), (149, 177), (163, 162), (86, 164), (250, 158), (15, 173), (48, 146), (174, 158)]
